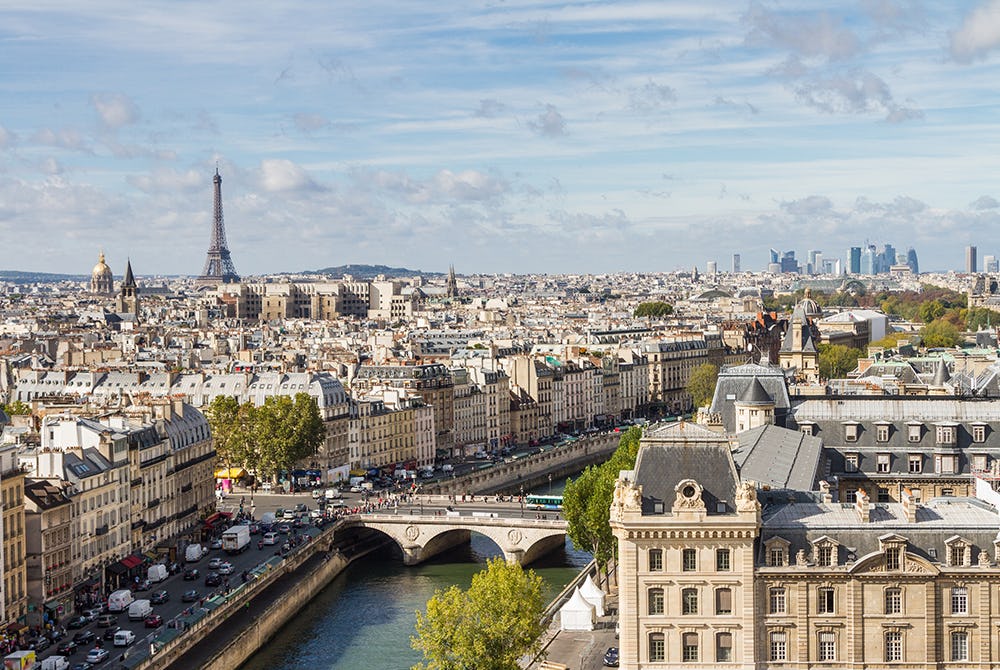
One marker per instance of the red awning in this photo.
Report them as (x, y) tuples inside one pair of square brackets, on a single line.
[(212, 518), (131, 561)]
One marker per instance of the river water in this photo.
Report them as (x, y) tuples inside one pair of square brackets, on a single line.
[(365, 617)]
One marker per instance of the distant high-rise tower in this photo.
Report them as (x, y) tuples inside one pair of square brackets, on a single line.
[(219, 264), (990, 264), (853, 261), (736, 264), (911, 260), (970, 259)]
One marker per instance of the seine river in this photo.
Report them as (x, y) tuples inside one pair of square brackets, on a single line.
[(365, 618)]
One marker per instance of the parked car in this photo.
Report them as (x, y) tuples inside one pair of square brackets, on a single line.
[(191, 574), (78, 621), (84, 637), (215, 544), (141, 585), (226, 568), (67, 648), (611, 657), (40, 643), (154, 621), (92, 612), (159, 597), (106, 620), (109, 634), (213, 579), (97, 655), (214, 563), (189, 596)]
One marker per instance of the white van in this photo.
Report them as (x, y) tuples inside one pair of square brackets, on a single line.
[(270, 538), (139, 610), (156, 573), (120, 600), (124, 638)]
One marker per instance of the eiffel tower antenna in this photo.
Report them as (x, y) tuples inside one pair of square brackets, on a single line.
[(219, 264)]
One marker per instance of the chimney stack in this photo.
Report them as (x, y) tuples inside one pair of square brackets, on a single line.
[(909, 505), (862, 505)]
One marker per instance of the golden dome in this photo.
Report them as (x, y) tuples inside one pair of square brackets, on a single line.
[(101, 269), (101, 278)]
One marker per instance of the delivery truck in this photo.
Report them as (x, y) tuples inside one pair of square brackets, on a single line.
[(19, 660), (236, 539), (193, 553), (157, 573), (55, 663)]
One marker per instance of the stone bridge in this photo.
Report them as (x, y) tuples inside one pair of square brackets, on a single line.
[(423, 536)]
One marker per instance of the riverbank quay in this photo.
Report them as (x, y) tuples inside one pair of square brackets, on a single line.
[(529, 472), (577, 649)]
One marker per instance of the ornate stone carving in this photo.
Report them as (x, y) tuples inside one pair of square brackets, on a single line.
[(514, 535), (800, 558), (984, 559), (412, 533), (632, 497), (746, 497), (688, 495)]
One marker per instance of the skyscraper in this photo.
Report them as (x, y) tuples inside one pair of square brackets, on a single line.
[(990, 264), (970, 259), (711, 268), (854, 260), (736, 264), (775, 255), (911, 260)]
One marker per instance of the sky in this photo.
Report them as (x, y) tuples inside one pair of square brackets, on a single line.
[(497, 136)]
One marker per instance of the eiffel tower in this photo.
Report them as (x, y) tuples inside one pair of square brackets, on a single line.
[(219, 264)]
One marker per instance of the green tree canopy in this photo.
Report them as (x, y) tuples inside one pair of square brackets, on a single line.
[(287, 430), (940, 333), (17, 408), (654, 309), (978, 318), (587, 499), (701, 385), (488, 627), (233, 429), (836, 360)]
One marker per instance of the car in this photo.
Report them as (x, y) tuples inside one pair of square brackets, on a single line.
[(255, 529), (109, 634), (611, 657), (270, 538), (284, 529), (106, 620), (316, 494), (82, 665), (97, 655), (141, 585), (158, 597), (84, 637), (189, 596), (213, 579), (67, 648), (226, 568), (40, 643), (215, 544), (301, 508), (78, 621), (191, 574), (355, 489), (154, 621), (124, 638), (92, 612), (214, 563), (174, 568)]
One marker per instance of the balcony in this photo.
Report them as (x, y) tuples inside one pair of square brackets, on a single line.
[(155, 502)]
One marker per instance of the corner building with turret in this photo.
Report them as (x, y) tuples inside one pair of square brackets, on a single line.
[(722, 567)]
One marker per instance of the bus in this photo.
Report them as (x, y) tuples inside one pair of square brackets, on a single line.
[(543, 502)]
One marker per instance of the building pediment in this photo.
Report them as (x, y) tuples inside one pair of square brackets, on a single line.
[(875, 563)]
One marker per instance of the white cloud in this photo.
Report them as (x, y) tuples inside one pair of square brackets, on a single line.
[(115, 109), (979, 33), (550, 123), (984, 202), (822, 34), (284, 175)]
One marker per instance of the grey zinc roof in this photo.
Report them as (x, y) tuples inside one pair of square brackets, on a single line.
[(801, 523), (733, 383), (778, 457), (682, 451), (755, 394)]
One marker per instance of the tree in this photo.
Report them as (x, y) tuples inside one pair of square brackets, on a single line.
[(654, 309), (287, 430), (836, 360), (701, 385), (940, 333), (488, 627), (17, 408), (233, 428)]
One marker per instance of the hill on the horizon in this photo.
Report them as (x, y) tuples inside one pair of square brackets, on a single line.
[(369, 271), (22, 277)]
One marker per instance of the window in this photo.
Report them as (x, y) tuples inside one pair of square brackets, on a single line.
[(956, 555), (657, 647), (913, 432), (851, 462), (827, 646), (851, 432), (655, 601), (722, 560), (979, 433), (945, 464), (892, 561), (689, 601), (724, 601), (824, 555), (883, 463), (883, 495), (777, 601), (893, 646), (916, 464), (723, 646), (959, 600), (689, 642), (893, 601), (779, 649), (945, 435), (947, 493), (655, 560), (979, 462), (825, 600), (959, 645), (690, 560), (882, 433), (776, 557), (851, 496)]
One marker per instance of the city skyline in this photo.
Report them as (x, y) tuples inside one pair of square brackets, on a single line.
[(503, 137)]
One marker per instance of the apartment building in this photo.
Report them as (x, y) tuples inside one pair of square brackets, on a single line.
[(15, 583), (50, 539)]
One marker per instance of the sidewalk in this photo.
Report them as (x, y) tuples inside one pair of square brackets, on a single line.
[(579, 649)]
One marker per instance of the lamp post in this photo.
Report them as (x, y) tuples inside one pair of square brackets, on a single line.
[(550, 483), (521, 500)]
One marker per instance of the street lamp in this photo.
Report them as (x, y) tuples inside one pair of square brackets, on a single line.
[(521, 500), (550, 483)]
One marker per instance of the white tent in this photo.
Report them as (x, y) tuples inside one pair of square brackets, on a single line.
[(577, 613), (593, 594)]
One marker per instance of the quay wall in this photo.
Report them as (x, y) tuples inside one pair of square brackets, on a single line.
[(531, 471)]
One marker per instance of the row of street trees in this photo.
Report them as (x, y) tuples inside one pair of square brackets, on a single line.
[(268, 439)]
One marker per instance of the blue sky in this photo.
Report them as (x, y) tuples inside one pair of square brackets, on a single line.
[(497, 136)]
